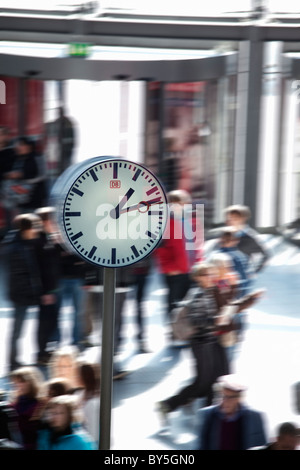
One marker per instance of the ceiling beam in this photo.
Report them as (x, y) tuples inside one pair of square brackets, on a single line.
[(85, 69), (53, 29)]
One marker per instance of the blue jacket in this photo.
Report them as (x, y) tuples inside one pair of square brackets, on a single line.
[(252, 428), (242, 267), (77, 440)]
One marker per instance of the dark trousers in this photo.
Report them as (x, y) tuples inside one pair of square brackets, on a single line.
[(47, 325), (71, 290), (178, 286), (210, 363), (140, 283)]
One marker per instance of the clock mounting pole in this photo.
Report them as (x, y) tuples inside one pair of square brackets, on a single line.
[(108, 322)]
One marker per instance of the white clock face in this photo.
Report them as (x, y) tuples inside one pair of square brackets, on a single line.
[(114, 212)]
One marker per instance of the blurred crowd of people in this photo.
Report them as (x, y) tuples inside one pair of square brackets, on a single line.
[(23, 176), (58, 410), (210, 289)]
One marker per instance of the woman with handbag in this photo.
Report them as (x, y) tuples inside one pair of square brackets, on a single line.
[(203, 306)]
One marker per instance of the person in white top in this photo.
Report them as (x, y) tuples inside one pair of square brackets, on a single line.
[(89, 397)]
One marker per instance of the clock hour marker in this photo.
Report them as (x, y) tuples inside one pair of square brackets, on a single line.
[(150, 234), (72, 214), (151, 212), (93, 175), (134, 250), (92, 252), (77, 191), (136, 175), (115, 171), (76, 236), (152, 190), (113, 255)]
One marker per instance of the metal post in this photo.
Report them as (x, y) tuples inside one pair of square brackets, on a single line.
[(108, 321), (253, 123), (161, 142)]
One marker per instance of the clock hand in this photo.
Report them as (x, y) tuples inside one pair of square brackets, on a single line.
[(133, 208), (115, 213), (149, 203)]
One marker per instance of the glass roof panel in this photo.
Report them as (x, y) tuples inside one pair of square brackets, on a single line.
[(155, 7), (186, 8)]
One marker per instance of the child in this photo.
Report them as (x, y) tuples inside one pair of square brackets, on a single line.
[(63, 433), (63, 364), (58, 386)]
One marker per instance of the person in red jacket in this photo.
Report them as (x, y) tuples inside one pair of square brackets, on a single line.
[(173, 264), (174, 254)]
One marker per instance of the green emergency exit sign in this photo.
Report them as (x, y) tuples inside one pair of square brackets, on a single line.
[(79, 49)]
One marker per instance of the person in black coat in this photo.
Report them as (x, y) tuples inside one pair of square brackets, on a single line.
[(25, 286), (25, 184), (7, 158), (7, 154), (50, 276)]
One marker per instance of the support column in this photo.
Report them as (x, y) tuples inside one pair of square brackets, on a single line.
[(270, 133), (287, 188), (248, 123), (253, 124), (241, 124), (161, 144)]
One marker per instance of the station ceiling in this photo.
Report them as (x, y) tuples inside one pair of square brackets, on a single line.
[(214, 41)]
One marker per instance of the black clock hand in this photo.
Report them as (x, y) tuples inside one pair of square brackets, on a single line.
[(115, 213)]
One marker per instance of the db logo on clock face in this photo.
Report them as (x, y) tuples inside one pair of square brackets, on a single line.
[(114, 184)]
